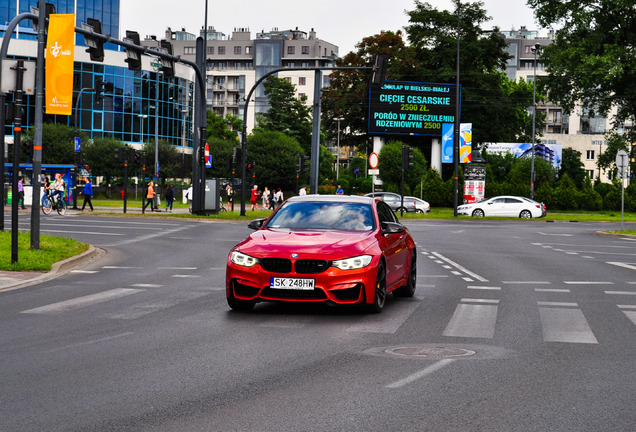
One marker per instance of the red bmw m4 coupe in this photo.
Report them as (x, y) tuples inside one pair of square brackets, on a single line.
[(342, 250)]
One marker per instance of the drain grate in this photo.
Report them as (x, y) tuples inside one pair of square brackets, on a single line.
[(436, 351)]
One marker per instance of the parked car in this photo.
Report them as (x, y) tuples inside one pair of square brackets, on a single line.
[(411, 204), (342, 250), (505, 206), (420, 205)]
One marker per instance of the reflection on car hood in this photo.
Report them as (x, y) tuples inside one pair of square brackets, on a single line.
[(315, 244)]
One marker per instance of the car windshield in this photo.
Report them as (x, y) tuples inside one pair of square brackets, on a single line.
[(323, 216)]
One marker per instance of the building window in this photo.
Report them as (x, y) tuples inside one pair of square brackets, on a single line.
[(590, 174), (248, 50), (237, 50), (305, 50), (302, 96), (211, 50), (288, 79), (221, 50), (302, 81), (291, 50), (590, 155), (189, 50)]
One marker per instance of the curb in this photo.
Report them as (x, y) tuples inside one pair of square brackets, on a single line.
[(59, 268)]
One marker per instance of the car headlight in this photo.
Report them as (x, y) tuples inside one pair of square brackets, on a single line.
[(353, 263), (241, 259)]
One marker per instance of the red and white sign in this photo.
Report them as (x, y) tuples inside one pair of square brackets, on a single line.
[(373, 160), (208, 159)]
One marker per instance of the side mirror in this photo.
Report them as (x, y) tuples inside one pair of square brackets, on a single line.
[(392, 228), (256, 224)]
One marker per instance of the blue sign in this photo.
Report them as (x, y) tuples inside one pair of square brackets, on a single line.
[(447, 142), (78, 144)]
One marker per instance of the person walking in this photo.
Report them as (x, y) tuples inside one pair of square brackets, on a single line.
[(265, 198), (88, 194), (21, 193), (169, 197), (254, 197), (302, 191), (230, 196), (278, 197), (150, 197)]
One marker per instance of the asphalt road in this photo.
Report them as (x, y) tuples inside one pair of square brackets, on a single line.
[(515, 326)]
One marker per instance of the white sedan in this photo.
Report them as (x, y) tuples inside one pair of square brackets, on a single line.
[(505, 206)]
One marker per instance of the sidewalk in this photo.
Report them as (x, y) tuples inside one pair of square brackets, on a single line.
[(13, 280), (134, 209)]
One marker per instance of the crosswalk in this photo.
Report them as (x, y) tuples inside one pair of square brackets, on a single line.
[(477, 314)]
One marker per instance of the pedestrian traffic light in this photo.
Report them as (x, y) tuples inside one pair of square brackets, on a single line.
[(167, 65), (379, 66), (137, 158), (407, 157), (49, 9), (95, 45), (28, 150), (99, 92), (304, 167), (299, 163), (134, 57), (118, 154)]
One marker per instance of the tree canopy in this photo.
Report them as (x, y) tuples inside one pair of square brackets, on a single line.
[(592, 60)]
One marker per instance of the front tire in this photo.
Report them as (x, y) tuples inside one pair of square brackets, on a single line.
[(239, 305), (379, 294), (47, 206), (478, 213)]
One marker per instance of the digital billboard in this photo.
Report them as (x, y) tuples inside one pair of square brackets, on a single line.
[(410, 108)]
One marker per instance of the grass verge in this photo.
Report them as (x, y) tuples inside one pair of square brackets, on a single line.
[(52, 250)]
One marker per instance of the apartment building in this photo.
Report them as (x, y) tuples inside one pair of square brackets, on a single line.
[(235, 62), (580, 129)]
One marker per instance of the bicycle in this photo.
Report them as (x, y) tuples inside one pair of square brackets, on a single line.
[(50, 203)]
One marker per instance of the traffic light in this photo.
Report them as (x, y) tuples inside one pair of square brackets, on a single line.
[(132, 154), (299, 163), (134, 57), (99, 92), (137, 158), (407, 157), (49, 9), (378, 72), (167, 65), (28, 150), (95, 46), (304, 165), (119, 154)]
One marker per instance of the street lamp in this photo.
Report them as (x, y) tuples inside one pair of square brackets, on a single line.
[(339, 119), (535, 50), (184, 113)]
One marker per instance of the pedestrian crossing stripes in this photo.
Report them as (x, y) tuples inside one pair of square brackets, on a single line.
[(80, 302)]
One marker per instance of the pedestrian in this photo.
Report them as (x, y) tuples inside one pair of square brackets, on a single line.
[(169, 197), (278, 197), (21, 193), (88, 194), (254, 197), (188, 196), (150, 197), (339, 190), (265, 198), (302, 191), (271, 199), (230, 196)]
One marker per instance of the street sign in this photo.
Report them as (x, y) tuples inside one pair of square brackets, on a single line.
[(78, 144), (374, 171), (208, 159), (622, 162), (373, 160)]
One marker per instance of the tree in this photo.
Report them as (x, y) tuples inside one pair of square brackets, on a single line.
[(223, 128), (286, 113), (592, 59), (572, 166), (276, 155), (390, 165), (607, 160), (58, 143)]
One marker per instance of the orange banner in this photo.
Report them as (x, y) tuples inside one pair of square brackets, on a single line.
[(59, 64)]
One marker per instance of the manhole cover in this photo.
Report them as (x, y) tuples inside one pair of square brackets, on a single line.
[(430, 352)]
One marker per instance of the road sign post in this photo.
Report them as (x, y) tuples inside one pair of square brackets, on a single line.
[(622, 161)]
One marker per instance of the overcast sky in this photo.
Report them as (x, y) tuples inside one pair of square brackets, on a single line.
[(341, 22)]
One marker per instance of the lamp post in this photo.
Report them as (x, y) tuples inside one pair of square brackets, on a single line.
[(184, 113), (339, 119), (535, 49)]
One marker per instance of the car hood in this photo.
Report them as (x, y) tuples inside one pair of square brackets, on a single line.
[(307, 243)]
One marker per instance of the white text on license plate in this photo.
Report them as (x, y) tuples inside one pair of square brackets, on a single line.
[(291, 283)]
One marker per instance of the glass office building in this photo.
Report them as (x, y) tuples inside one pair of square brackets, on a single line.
[(137, 106)]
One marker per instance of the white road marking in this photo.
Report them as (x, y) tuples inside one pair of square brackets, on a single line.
[(473, 321), (552, 290), (185, 276), (80, 302), (526, 282), (620, 292), (477, 287), (463, 269), (587, 283), (565, 325), (85, 271), (421, 374), (139, 310), (561, 304), (630, 266), (147, 285), (389, 321)]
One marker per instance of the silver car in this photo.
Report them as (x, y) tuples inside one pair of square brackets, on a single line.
[(411, 204)]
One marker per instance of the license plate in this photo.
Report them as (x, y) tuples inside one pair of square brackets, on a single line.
[(291, 283)]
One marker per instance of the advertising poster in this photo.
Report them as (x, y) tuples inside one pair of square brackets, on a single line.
[(59, 64), (465, 143), (553, 153), (474, 183)]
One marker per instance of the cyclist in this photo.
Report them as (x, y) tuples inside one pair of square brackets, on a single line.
[(47, 189), (58, 188)]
